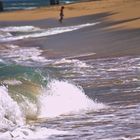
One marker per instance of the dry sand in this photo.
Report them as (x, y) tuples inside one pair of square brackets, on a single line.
[(126, 10)]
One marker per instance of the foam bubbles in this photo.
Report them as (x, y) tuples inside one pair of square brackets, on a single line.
[(70, 62), (10, 113), (12, 82), (4, 34), (23, 55), (34, 32), (1, 61), (11, 46), (131, 138), (62, 97), (29, 133), (20, 29), (35, 133)]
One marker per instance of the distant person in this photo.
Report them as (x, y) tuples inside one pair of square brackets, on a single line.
[(61, 14)]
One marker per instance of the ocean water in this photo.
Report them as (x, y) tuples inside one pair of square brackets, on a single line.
[(29, 4), (65, 98)]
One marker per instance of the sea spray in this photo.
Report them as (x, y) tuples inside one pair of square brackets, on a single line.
[(53, 100), (13, 117), (29, 95), (10, 113), (63, 98)]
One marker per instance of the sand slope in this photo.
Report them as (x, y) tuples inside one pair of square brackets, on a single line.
[(126, 11)]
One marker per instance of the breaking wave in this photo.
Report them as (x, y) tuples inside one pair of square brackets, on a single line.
[(34, 32), (58, 98), (26, 95), (20, 29), (62, 97)]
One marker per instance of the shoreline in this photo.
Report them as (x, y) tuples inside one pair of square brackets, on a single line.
[(119, 10), (89, 40), (110, 38)]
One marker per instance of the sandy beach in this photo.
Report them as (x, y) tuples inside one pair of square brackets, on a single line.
[(76, 80), (117, 34), (126, 12)]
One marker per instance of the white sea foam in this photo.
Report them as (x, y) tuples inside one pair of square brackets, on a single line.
[(4, 34), (36, 133), (12, 82), (131, 138), (11, 46), (30, 133), (23, 55), (42, 33), (12, 120), (10, 113), (71, 62), (20, 29), (61, 98), (1, 61), (26, 55), (58, 98)]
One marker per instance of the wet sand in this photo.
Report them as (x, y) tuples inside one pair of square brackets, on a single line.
[(116, 35)]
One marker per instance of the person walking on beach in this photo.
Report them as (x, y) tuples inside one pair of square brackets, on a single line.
[(61, 14)]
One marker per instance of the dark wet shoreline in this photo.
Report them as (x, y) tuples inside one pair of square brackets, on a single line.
[(95, 39)]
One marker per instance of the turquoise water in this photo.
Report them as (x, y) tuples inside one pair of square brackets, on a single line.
[(29, 4)]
